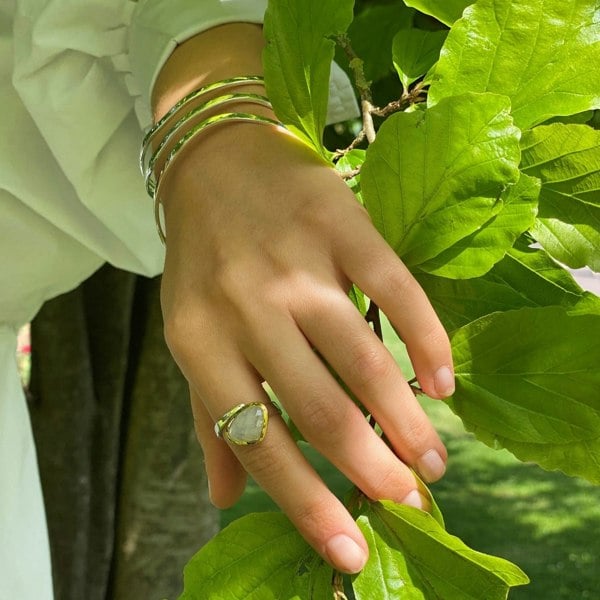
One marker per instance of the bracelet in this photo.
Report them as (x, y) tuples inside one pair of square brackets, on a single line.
[(217, 86), (147, 166), (193, 133)]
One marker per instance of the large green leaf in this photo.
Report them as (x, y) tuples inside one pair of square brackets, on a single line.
[(446, 11), (433, 177), (524, 277), (415, 51), (372, 32), (258, 557), (567, 160), (297, 61), (544, 54), (528, 380), (413, 557), (475, 254)]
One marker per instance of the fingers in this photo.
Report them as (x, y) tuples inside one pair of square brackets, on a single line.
[(349, 345), (328, 419), (226, 476), (277, 465), (373, 266)]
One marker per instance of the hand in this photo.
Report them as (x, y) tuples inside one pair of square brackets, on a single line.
[(263, 242)]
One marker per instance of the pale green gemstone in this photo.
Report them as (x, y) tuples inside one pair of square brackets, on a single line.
[(247, 426)]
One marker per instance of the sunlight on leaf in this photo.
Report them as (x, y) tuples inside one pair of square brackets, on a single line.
[(297, 61), (475, 254), (446, 11), (258, 557), (544, 54), (434, 177), (567, 160), (412, 556), (415, 51), (528, 380)]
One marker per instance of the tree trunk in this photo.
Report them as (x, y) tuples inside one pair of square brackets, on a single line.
[(122, 475)]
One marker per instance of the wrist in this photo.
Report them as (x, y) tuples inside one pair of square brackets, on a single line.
[(219, 53)]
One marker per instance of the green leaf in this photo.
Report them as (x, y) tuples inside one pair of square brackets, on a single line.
[(412, 556), (297, 61), (475, 254), (567, 160), (358, 299), (433, 177), (446, 11), (524, 277), (415, 51), (349, 163), (258, 557), (371, 34), (528, 380), (544, 54)]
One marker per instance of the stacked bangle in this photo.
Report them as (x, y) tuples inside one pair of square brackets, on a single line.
[(190, 126)]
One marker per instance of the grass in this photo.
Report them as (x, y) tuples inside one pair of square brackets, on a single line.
[(547, 523)]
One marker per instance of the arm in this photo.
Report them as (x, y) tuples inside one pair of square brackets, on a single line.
[(264, 241)]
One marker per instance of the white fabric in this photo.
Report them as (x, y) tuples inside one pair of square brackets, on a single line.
[(73, 75)]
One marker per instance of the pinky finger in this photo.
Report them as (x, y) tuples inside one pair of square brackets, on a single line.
[(226, 476)]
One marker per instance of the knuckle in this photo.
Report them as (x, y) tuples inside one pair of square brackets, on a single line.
[(417, 435), (398, 279), (322, 418), (369, 364), (181, 328), (263, 461), (434, 335), (176, 331), (229, 280), (314, 515), (386, 483)]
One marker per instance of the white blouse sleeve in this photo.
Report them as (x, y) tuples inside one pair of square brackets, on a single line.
[(79, 91), (158, 27)]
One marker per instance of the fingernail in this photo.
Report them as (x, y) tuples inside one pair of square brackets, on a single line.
[(345, 553), (443, 380), (413, 499), (430, 465)]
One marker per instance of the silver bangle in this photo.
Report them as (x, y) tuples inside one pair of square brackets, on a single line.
[(217, 86), (148, 165)]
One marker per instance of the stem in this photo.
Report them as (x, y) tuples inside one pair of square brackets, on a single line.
[(413, 383), (362, 84), (338, 587), (374, 318)]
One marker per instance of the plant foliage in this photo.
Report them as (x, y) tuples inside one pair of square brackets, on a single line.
[(484, 178)]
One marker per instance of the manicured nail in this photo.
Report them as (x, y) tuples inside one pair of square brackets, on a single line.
[(345, 553), (443, 381), (413, 499), (430, 465)]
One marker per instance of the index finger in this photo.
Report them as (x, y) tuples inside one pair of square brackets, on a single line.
[(372, 265)]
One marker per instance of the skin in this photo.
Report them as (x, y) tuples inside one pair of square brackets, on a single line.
[(263, 242)]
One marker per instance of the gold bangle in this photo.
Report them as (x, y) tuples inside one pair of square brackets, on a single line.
[(201, 127)]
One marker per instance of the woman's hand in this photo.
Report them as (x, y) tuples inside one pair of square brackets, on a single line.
[(263, 242)]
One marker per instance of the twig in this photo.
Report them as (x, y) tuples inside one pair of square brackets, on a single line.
[(374, 318), (338, 587), (367, 108), (350, 174), (413, 383)]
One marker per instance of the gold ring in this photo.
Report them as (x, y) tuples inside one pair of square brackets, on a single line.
[(244, 424)]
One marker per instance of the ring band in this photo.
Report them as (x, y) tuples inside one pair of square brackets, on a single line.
[(244, 424)]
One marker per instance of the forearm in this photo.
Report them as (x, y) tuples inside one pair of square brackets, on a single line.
[(219, 53)]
